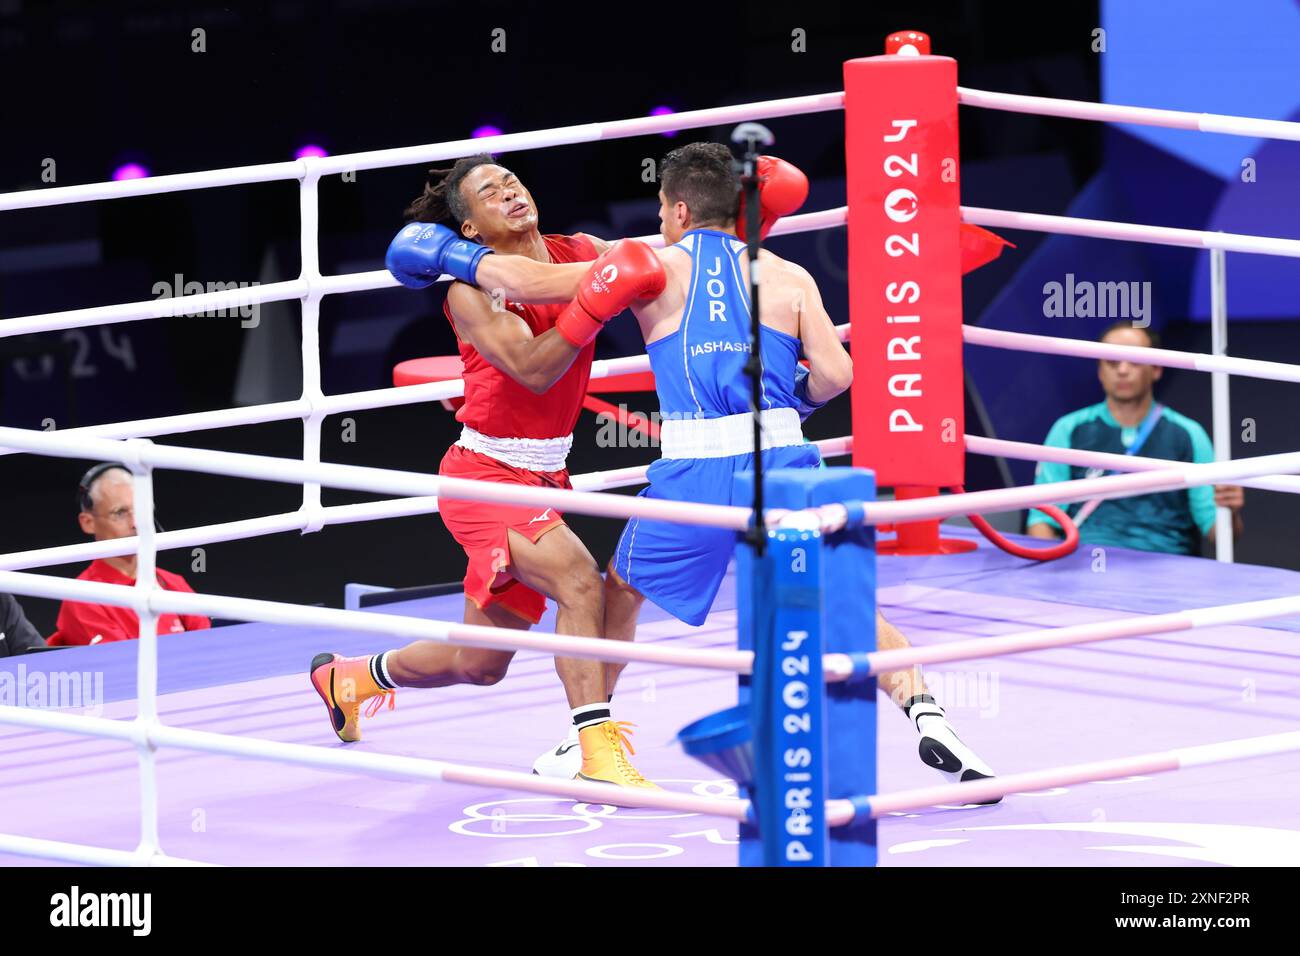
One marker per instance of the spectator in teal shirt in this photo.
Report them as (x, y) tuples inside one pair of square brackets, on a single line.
[(1130, 418)]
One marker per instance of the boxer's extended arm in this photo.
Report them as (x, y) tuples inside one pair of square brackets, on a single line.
[(628, 273), (422, 251), (521, 279), (830, 367), (526, 280), (607, 286), (506, 341)]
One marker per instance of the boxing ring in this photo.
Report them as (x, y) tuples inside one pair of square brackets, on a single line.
[(164, 764)]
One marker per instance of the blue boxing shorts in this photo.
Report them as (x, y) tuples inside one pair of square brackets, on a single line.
[(680, 567)]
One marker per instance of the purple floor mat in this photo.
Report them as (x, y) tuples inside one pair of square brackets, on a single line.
[(1023, 712)]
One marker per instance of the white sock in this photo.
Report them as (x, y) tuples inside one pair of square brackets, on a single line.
[(922, 709), (589, 715)]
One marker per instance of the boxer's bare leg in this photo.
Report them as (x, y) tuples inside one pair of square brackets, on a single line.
[(622, 608), (940, 747), (903, 685), (559, 565), (347, 683), (435, 664)]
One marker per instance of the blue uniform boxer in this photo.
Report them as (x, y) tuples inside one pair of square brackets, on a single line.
[(704, 401)]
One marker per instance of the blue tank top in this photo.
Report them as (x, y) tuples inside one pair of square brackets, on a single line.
[(699, 369)]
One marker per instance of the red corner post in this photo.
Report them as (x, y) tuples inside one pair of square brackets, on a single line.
[(900, 113)]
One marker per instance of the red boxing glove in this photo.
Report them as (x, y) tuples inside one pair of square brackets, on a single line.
[(782, 188), (628, 271)]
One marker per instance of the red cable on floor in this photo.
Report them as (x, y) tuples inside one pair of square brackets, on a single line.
[(1049, 553)]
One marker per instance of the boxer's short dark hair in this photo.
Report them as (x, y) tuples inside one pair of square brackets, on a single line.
[(1152, 335), (703, 176), (441, 200)]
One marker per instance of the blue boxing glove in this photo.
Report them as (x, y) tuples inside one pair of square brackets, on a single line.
[(422, 251), (803, 405)]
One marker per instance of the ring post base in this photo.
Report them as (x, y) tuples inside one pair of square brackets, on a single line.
[(920, 537)]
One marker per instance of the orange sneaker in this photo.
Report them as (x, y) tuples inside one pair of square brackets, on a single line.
[(345, 683), (603, 759)]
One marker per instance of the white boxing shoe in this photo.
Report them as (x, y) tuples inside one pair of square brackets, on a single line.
[(562, 762), (942, 750)]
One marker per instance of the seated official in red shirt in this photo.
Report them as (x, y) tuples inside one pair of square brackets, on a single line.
[(106, 498)]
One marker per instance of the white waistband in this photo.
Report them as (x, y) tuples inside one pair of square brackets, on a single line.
[(729, 435), (534, 454)]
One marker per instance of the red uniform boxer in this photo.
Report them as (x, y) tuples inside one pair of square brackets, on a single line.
[(499, 407), (526, 371)]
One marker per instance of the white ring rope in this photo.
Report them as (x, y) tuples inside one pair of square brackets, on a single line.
[(89, 855), (387, 481), (437, 391), (331, 515), (591, 132), (233, 299), (414, 155), (839, 812), (1025, 451), (1140, 115), (390, 766), (1168, 358), (1077, 634), (376, 480), (1173, 477), (1130, 232), (278, 523), (1028, 451), (160, 600), (146, 733), (1113, 769), (837, 666)]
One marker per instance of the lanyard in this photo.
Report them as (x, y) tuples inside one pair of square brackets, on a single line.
[(1144, 432), (1140, 439)]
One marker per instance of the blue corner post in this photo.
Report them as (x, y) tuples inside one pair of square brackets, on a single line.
[(807, 583)]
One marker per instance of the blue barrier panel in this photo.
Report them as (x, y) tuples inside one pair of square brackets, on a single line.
[(847, 584)]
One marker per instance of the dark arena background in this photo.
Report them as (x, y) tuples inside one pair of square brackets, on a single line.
[(94, 90)]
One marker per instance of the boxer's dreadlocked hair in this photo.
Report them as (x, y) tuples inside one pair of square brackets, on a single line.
[(441, 200), (702, 176)]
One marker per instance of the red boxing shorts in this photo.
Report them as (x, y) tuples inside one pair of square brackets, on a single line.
[(482, 529)]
